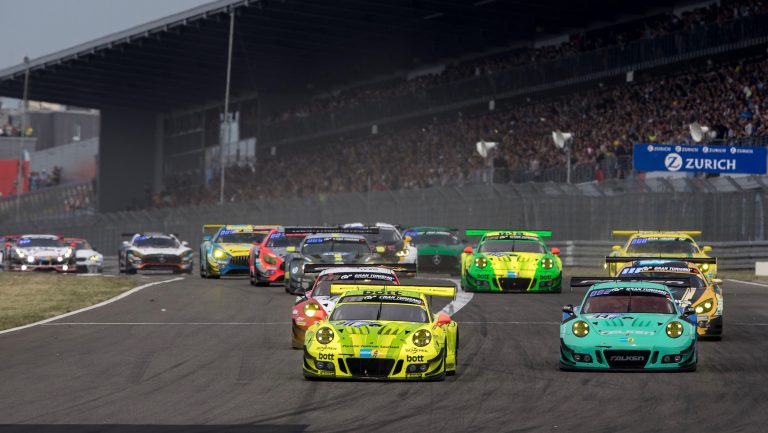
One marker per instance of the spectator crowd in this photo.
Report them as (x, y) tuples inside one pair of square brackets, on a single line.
[(606, 122)]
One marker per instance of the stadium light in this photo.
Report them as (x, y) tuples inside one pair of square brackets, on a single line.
[(226, 139), (564, 140)]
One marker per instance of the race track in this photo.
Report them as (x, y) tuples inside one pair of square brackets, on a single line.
[(215, 356)]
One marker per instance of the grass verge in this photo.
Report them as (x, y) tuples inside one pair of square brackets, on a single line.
[(28, 298)]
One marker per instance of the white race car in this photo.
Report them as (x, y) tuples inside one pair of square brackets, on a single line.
[(154, 251), (41, 253), (88, 260)]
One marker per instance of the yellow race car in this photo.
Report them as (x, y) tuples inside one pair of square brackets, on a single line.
[(698, 291), (667, 244)]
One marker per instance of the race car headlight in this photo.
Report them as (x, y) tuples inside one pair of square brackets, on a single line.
[(219, 253), (402, 253), (580, 328), (704, 267), (481, 262), (674, 329), (20, 253), (422, 337), (30, 259), (69, 252), (705, 307), (547, 263), (94, 258), (270, 259), (324, 335), (311, 309), (59, 259), (135, 254)]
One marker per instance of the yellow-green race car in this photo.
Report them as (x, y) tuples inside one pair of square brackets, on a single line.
[(382, 332), (667, 244), (511, 261)]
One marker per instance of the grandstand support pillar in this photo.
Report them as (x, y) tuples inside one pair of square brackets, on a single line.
[(127, 158), (158, 185)]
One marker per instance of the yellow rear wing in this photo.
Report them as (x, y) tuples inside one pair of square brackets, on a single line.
[(651, 232), (382, 289)]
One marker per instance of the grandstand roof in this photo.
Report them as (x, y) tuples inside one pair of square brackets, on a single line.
[(291, 44)]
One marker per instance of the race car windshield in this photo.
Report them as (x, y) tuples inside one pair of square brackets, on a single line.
[(384, 236), (435, 239), (634, 303), (240, 238), (380, 311), (82, 245), (284, 241), (39, 242), (510, 246), (640, 246), (354, 247), (156, 242)]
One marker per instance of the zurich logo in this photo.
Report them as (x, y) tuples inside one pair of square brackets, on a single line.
[(733, 150), (705, 149), (678, 148), (673, 162), (650, 148)]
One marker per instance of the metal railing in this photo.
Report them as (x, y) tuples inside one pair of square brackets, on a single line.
[(568, 70)]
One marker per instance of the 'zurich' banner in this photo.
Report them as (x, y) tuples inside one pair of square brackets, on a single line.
[(700, 158)]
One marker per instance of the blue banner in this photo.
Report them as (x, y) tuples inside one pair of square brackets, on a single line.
[(700, 158)]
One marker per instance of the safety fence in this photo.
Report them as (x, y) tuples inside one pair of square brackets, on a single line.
[(725, 209)]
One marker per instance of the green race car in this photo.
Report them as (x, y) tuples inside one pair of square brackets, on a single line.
[(438, 248), (626, 324), (382, 332), (511, 261)]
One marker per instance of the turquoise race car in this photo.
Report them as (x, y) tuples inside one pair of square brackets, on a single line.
[(511, 261), (626, 324)]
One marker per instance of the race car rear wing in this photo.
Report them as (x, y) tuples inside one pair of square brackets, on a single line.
[(331, 230), (408, 268), (382, 289), (628, 259), (651, 232), (483, 232), (682, 281)]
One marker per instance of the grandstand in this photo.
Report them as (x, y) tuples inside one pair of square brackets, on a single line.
[(404, 111)]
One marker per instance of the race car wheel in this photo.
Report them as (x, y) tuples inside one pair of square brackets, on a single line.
[(209, 274), (130, 271), (252, 278)]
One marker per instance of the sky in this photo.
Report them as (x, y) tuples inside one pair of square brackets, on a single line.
[(35, 28)]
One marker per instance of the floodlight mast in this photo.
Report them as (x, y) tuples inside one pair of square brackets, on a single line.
[(226, 136), (24, 110)]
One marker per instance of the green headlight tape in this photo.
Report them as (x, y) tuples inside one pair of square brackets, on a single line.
[(483, 232)]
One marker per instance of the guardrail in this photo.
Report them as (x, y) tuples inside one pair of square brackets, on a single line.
[(730, 255)]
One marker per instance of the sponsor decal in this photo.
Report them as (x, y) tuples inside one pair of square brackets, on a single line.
[(415, 350), (437, 259), (414, 358), (326, 356), (617, 290), (511, 274), (367, 276), (369, 353), (627, 340), (627, 358), (637, 270)]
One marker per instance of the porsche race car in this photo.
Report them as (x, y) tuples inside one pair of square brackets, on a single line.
[(626, 324), (153, 251), (227, 251), (318, 301), (669, 244), (88, 260), (438, 248), (41, 252), (511, 261), (382, 332), (701, 292)]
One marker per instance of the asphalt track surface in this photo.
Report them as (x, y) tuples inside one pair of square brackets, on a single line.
[(214, 356)]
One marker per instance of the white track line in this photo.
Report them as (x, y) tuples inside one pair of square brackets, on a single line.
[(462, 299), (100, 304), (751, 283), (168, 323)]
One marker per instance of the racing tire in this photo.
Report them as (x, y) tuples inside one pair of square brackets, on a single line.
[(252, 278), (130, 271), (210, 275)]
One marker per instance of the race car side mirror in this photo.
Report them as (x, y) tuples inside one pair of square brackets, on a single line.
[(616, 248), (443, 319), (556, 251), (206, 238), (468, 250), (568, 309), (706, 249), (689, 311), (126, 244), (290, 249), (185, 243)]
